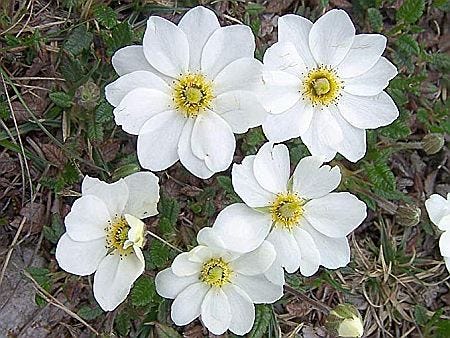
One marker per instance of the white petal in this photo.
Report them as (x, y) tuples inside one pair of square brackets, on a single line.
[(281, 91), (224, 46), (216, 311), (282, 56), (275, 273), (87, 219), (272, 167), (444, 244), (243, 310), (259, 289), (373, 81), (312, 179), (315, 139), (191, 162), (166, 47), (241, 74), (353, 145), (336, 214), (447, 263), (158, 140), (296, 29), (246, 185), (198, 24), (80, 258), (290, 124), (364, 53), (143, 197), (130, 59), (213, 141), (240, 109), (256, 262), (114, 195), (437, 207), (241, 228), (309, 254), (210, 238), (288, 252), (169, 285), (186, 306), (331, 37), (114, 277), (182, 266), (368, 112), (138, 106), (334, 252)]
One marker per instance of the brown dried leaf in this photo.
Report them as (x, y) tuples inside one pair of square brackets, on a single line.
[(54, 154)]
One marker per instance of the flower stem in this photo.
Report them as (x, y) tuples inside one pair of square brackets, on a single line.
[(314, 303), (164, 241)]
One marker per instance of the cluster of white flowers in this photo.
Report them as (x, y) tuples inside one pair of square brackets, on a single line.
[(185, 92)]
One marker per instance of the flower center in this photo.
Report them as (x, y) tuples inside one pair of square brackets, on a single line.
[(117, 235), (216, 272), (286, 210), (322, 86), (192, 93)]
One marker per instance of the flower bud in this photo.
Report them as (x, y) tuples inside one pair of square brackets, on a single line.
[(433, 143), (345, 321), (408, 215), (87, 95)]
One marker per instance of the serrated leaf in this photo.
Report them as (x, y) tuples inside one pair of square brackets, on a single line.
[(122, 324), (53, 232), (88, 313), (408, 45), (95, 131), (375, 19), (104, 112), (164, 331), (105, 15), (262, 320), (441, 61), (410, 11), (143, 291), (121, 35), (79, 40), (169, 208), (158, 254), (396, 130), (61, 99)]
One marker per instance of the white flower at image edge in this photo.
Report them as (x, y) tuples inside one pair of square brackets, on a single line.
[(438, 209), (186, 90), (218, 285), (105, 234), (325, 84), (301, 216)]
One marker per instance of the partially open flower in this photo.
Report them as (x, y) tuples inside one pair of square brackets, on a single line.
[(218, 285), (301, 216), (105, 234), (438, 209), (345, 321), (325, 84), (186, 90)]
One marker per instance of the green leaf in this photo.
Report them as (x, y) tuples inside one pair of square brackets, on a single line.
[(79, 40), (441, 61), (143, 291), (410, 11), (375, 19), (121, 35), (104, 112), (105, 15), (122, 323), (169, 208), (262, 319), (396, 130), (53, 232), (159, 254), (4, 110), (43, 278), (61, 99), (164, 331), (88, 313), (95, 131), (420, 315)]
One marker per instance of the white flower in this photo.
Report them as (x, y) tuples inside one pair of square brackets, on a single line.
[(187, 90), (438, 209), (305, 221), (219, 285), (325, 84), (105, 234)]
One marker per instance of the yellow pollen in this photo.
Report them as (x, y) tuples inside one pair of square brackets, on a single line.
[(216, 272), (287, 210), (117, 235), (192, 94), (322, 86)]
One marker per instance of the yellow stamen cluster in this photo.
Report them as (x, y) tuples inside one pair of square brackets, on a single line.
[(322, 86), (286, 210), (117, 235), (192, 93), (216, 272)]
